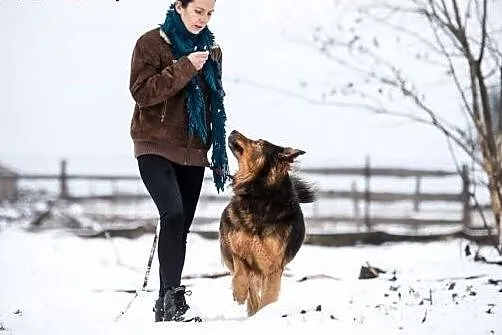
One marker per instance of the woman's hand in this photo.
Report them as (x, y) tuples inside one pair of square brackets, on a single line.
[(198, 58)]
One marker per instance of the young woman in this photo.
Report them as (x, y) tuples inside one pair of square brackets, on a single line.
[(179, 114)]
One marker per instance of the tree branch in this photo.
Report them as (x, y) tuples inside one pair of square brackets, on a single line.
[(483, 32)]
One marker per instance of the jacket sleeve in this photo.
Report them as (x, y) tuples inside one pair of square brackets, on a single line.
[(148, 85), (217, 55)]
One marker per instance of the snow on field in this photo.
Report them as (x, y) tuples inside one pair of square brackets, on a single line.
[(53, 282)]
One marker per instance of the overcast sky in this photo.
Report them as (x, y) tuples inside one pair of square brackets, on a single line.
[(64, 93)]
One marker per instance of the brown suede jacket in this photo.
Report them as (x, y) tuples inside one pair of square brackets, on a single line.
[(160, 123)]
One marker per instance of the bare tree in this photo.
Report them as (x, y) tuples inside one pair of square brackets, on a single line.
[(455, 42)]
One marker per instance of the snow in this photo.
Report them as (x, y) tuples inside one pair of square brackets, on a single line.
[(53, 282)]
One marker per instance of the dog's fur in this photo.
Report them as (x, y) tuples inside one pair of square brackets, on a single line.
[(262, 228)]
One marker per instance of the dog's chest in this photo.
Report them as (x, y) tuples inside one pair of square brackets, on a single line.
[(265, 253)]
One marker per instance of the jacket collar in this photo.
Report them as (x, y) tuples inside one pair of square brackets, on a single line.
[(164, 36)]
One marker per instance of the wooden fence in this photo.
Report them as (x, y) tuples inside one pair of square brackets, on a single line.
[(362, 200)]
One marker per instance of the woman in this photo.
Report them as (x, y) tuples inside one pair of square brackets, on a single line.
[(179, 114)]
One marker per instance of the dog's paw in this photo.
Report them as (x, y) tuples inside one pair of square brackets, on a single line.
[(240, 297)]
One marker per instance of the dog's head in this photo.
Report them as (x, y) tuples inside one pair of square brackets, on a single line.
[(260, 159)]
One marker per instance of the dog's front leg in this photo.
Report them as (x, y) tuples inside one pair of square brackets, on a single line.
[(271, 287), (240, 280), (254, 296)]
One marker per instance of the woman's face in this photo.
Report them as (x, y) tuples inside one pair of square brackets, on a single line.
[(196, 14)]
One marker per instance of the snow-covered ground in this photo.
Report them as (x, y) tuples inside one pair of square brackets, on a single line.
[(53, 282)]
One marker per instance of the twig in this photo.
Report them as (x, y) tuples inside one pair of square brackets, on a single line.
[(2, 327), (147, 274), (462, 278), (207, 275), (121, 290), (318, 276), (425, 316)]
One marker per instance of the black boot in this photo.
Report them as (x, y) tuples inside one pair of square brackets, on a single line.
[(175, 306), (159, 309), (179, 296)]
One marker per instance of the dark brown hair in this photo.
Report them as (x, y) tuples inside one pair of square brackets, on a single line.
[(184, 3)]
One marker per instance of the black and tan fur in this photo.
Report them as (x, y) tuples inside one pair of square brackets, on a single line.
[(262, 228)]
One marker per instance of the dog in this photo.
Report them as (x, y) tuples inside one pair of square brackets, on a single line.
[(262, 228)]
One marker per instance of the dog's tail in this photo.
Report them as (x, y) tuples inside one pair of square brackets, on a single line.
[(304, 191)]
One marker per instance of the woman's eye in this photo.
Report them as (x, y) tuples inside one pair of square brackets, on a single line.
[(198, 12)]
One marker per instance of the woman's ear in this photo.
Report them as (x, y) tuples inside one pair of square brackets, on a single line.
[(178, 7)]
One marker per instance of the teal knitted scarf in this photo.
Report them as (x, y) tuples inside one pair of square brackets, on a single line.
[(183, 43)]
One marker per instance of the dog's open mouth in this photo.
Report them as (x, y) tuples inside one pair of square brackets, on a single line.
[(236, 149), (234, 143)]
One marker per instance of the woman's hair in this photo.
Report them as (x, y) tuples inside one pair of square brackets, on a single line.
[(184, 3)]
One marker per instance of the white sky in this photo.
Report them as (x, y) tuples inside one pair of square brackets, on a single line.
[(66, 94)]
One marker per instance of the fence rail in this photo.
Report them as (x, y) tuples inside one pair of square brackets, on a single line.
[(365, 198)]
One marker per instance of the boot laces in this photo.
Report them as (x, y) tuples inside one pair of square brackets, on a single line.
[(183, 307)]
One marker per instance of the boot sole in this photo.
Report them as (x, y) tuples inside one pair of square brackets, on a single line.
[(194, 319)]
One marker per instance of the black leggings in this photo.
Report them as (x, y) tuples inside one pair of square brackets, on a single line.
[(175, 189)]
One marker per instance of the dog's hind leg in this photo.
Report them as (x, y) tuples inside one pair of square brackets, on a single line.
[(271, 287), (254, 299), (240, 280)]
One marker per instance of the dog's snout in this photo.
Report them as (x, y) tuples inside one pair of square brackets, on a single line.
[(234, 135)]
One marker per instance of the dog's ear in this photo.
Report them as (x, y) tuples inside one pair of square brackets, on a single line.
[(290, 154)]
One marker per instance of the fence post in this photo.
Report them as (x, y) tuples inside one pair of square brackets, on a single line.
[(15, 181), (416, 202), (63, 181), (315, 209), (466, 213), (355, 199), (367, 195)]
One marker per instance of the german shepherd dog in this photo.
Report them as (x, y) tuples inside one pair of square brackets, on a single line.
[(262, 228)]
